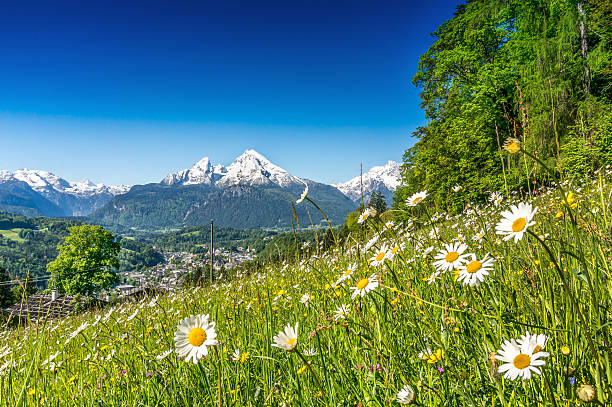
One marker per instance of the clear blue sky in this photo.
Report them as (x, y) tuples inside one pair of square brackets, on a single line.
[(125, 92)]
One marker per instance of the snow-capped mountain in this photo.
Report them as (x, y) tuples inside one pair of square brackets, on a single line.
[(250, 168), (56, 196), (202, 172), (249, 193), (384, 179)]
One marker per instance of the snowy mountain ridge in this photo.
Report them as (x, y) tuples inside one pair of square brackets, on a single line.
[(383, 178), (42, 193), (249, 168)]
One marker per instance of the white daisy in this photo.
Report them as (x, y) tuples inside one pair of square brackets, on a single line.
[(365, 215), (288, 339), (457, 188), (405, 395), (163, 355), (305, 299), (389, 224), (432, 277), (303, 196), (394, 250), (341, 312), (450, 257), (192, 337), (540, 340), (364, 286), (371, 242), (346, 274), (235, 356), (415, 199), (379, 256), (310, 352), (474, 271), (496, 198), (515, 222), (521, 360)]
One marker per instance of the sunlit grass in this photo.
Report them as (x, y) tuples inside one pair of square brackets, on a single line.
[(439, 336)]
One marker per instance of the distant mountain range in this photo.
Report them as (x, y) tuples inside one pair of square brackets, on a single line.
[(384, 179), (251, 192), (40, 193)]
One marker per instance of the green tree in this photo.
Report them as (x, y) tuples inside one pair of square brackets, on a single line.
[(533, 70), (378, 202), (86, 260), (6, 296)]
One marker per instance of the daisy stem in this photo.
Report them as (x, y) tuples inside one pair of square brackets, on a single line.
[(549, 390), (569, 293), (326, 220), (314, 375), (219, 373)]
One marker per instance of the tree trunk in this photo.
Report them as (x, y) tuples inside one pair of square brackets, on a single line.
[(586, 81)]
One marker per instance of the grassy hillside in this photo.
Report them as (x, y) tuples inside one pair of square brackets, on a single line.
[(416, 327)]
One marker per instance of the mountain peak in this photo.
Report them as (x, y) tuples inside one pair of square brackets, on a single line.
[(252, 168), (202, 172), (249, 168), (382, 178)]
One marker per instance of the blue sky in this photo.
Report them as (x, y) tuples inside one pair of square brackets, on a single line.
[(126, 92)]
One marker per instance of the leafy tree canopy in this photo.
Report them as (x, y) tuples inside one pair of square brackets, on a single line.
[(85, 261), (535, 70)]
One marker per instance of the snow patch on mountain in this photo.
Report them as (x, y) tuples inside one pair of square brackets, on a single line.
[(44, 181), (250, 168), (72, 198), (384, 179)]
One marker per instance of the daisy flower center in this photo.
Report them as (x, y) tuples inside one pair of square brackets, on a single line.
[(362, 283), (347, 272), (521, 361), (473, 266), (417, 199), (395, 249), (380, 256), (519, 224), (451, 256), (197, 336), (513, 147), (291, 341)]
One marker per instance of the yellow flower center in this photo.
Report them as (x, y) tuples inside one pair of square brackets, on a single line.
[(291, 341), (513, 147), (395, 249), (416, 200), (197, 336), (365, 215), (451, 256), (347, 272), (473, 266), (380, 256), (362, 283), (521, 361), (519, 224)]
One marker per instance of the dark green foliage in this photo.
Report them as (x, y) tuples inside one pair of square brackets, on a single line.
[(23, 289), (502, 69), (85, 261), (378, 202), (27, 245), (6, 295), (196, 239), (158, 206)]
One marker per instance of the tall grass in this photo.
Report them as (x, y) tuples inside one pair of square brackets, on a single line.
[(438, 335)]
